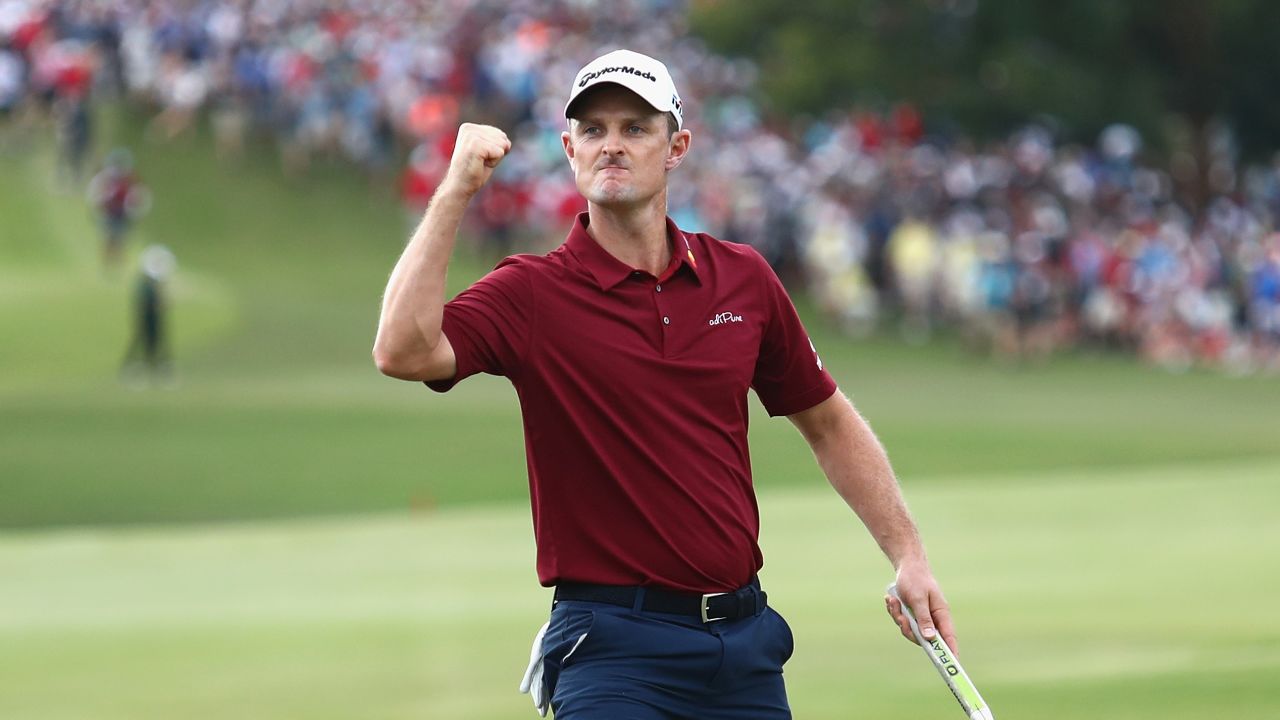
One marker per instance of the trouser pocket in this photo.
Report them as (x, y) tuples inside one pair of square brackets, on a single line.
[(565, 637), (786, 639)]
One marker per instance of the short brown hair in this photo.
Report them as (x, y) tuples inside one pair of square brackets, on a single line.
[(673, 125)]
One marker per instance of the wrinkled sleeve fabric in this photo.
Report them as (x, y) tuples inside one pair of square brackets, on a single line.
[(789, 376), (490, 323)]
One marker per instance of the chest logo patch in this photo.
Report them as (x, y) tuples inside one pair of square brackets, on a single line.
[(724, 318)]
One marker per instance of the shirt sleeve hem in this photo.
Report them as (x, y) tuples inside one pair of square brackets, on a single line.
[(442, 386), (463, 351), (803, 401)]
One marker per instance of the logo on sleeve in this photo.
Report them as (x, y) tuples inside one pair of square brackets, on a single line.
[(815, 353), (724, 318)]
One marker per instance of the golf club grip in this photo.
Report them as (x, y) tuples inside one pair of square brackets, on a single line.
[(945, 662)]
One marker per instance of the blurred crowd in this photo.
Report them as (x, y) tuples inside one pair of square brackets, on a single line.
[(1028, 247), (1024, 246)]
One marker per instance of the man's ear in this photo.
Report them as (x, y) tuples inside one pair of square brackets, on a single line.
[(678, 148), (567, 141)]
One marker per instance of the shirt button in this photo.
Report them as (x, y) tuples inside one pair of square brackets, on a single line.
[(658, 288), (666, 320)]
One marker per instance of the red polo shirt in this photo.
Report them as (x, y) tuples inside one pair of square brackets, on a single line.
[(633, 391)]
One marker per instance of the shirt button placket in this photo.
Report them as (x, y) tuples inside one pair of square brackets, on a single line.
[(660, 306), (666, 319)]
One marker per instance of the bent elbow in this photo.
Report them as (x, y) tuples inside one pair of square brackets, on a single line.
[(390, 363), (413, 362), (384, 362)]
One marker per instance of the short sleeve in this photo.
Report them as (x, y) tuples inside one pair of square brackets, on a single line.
[(789, 376), (489, 324)]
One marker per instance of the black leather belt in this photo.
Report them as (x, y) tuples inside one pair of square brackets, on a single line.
[(743, 602)]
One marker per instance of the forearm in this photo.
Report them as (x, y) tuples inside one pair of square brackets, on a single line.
[(413, 305), (410, 344), (858, 468)]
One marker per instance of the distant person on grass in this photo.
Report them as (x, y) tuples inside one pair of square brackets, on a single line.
[(148, 357), (119, 197), (632, 347), (75, 136), (12, 86)]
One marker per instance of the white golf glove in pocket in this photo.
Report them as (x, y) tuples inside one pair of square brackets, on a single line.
[(532, 683)]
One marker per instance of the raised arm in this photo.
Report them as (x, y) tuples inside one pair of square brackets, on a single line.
[(410, 344), (856, 465)]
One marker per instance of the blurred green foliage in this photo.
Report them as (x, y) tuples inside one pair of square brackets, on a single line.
[(986, 66)]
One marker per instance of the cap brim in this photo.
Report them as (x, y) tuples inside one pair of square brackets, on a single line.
[(568, 108)]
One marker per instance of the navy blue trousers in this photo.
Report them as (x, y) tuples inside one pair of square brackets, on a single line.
[(605, 662)]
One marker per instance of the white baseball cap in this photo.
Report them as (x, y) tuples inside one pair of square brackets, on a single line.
[(638, 73)]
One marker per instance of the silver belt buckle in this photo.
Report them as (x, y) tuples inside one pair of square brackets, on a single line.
[(703, 607)]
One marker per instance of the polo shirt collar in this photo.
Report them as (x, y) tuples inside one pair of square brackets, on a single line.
[(608, 270)]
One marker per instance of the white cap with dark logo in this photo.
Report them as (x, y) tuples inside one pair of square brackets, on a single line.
[(638, 73)]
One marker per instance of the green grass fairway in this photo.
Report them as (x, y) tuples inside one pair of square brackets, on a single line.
[(1124, 594), (286, 534)]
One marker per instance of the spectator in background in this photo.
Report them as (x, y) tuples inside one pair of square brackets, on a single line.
[(1264, 306), (75, 129), (148, 356), (12, 80), (229, 119), (419, 180), (12, 88), (184, 89), (118, 197), (912, 252), (63, 73)]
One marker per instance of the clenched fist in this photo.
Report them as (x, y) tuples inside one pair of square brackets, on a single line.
[(477, 152)]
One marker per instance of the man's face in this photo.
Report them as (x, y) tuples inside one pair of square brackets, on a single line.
[(620, 148)]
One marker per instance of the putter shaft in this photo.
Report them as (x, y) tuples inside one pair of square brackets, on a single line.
[(945, 662)]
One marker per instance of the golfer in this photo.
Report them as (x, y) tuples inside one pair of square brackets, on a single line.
[(632, 347)]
